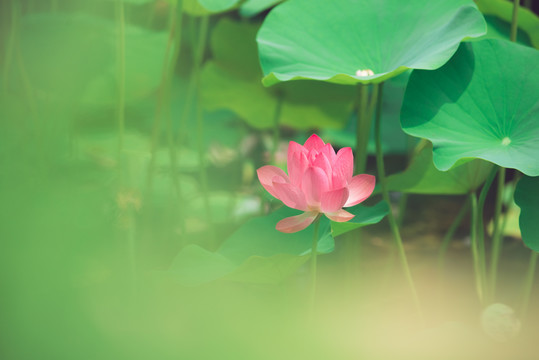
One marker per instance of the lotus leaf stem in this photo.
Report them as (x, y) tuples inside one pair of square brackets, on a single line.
[(385, 194)]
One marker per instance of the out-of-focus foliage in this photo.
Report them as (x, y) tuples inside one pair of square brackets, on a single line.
[(232, 80), (422, 177), (53, 47), (256, 252)]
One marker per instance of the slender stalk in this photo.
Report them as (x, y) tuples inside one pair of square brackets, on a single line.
[(365, 108), (385, 195), (120, 69), (202, 34), (450, 232), (497, 234), (164, 91), (361, 138), (176, 26), (314, 254), (54, 5), (120, 119), (480, 231), (475, 252), (403, 202), (276, 121), (373, 103), (528, 284), (514, 21), (528, 4)]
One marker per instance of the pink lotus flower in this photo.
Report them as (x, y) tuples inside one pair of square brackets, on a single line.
[(319, 181)]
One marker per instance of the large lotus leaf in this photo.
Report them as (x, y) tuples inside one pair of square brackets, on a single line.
[(232, 81), (474, 108), (422, 177), (253, 7), (527, 20), (394, 140), (527, 198), (74, 56), (332, 40), (363, 216), (256, 252)]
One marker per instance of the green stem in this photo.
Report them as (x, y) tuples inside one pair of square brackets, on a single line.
[(54, 5), (450, 232), (528, 284), (202, 34), (497, 234), (164, 91), (475, 251), (314, 254), (385, 195), (276, 121), (480, 232), (362, 137), (403, 202), (120, 69), (365, 110), (514, 21), (373, 103), (176, 26)]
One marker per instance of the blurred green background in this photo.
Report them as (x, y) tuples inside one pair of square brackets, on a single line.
[(101, 185)]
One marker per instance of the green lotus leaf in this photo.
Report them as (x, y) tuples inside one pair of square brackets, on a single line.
[(256, 252), (362, 41), (474, 107), (527, 20), (422, 177), (232, 81), (363, 216), (527, 198)]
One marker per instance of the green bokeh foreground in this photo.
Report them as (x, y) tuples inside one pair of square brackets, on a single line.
[(87, 249)]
